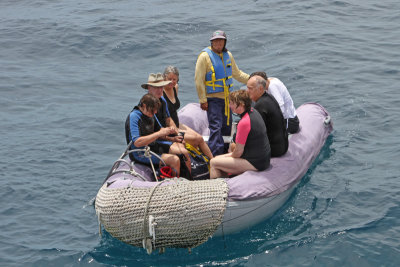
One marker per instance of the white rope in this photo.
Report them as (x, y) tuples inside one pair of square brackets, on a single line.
[(148, 155), (146, 244)]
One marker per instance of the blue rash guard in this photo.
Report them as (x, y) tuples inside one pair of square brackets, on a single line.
[(136, 125)]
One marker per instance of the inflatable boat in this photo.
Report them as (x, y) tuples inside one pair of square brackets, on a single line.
[(136, 209)]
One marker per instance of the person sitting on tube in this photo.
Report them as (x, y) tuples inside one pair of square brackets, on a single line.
[(140, 129), (252, 150)]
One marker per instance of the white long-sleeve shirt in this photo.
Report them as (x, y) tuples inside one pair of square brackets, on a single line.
[(278, 90)]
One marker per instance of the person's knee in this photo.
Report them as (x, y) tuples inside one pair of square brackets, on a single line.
[(176, 160), (171, 159), (200, 139), (184, 151), (213, 163)]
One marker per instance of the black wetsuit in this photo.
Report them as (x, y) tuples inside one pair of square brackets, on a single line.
[(257, 150), (271, 113)]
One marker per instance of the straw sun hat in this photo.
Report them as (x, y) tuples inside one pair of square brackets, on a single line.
[(156, 80)]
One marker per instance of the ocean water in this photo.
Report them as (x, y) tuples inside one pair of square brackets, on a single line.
[(70, 71)]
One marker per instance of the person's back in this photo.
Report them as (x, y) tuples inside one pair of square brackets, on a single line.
[(271, 113), (282, 96)]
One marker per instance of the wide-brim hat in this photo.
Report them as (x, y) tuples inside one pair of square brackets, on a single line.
[(156, 80), (218, 35)]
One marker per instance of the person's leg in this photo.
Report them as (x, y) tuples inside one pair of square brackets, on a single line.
[(205, 149), (195, 139), (179, 148), (214, 172), (223, 164), (226, 129), (172, 161), (142, 158), (215, 115)]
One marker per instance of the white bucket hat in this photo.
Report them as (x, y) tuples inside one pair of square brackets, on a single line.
[(156, 80)]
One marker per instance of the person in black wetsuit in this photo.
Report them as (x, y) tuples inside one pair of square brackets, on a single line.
[(272, 115), (170, 94), (277, 89), (252, 150)]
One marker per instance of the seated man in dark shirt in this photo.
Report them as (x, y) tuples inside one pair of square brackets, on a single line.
[(278, 90), (272, 115), (155, 86), (140, 129)]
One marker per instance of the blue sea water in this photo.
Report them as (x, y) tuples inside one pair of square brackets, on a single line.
[(70, 72)]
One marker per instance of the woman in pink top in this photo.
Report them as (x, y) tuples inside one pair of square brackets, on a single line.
[(252, 150)]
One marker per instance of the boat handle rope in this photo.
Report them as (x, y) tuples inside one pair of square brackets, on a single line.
[(148, 155), (149, 240), (132, 171)]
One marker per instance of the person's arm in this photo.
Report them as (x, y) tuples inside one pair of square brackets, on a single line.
[(170, 123), (237, 74), (238, 152), (148, 139), (243, 130), (231, 147), (176, 138), (200, 77)]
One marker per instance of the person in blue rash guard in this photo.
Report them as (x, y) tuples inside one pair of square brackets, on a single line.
[(140, 129)]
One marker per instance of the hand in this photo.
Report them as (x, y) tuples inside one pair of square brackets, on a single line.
[(178, 139), (176, 130), (204, 106), (232, 147), (167, 131)]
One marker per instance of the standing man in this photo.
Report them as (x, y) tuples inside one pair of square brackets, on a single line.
[(215, 68)]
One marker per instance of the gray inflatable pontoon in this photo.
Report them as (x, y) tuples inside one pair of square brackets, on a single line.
[(140, 211)]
